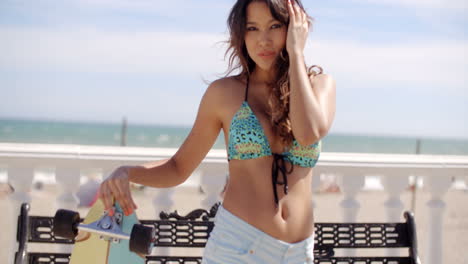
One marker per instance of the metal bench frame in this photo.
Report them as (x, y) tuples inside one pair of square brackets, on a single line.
[(193, 229)]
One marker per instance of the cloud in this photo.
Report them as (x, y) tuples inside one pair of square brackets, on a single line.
[(152, 5), (425, 65), (84, 8), (445, 16), (426, 4), (421, 65), (90, 49)]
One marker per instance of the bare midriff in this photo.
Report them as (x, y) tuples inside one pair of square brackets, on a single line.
[(249, 196)]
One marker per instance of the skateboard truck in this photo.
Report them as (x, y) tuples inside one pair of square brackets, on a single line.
[(67, 223), (107, 227)]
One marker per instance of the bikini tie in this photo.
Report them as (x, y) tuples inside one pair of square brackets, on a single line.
[(279, 165)]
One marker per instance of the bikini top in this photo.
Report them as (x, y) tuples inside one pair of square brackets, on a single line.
[(247, 140)]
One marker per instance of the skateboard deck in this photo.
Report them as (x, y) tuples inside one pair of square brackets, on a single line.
[(89, 248)]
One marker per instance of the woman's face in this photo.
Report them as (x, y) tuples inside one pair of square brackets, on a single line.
[(265, 36)]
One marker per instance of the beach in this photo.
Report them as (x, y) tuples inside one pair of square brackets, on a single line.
[(455, 222)]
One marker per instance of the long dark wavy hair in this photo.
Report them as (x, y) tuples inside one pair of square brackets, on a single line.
[(240, 60)]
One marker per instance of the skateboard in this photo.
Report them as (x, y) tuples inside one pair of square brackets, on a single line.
[(104, 239)]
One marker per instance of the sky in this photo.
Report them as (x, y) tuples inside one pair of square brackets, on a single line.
[(400, 66)]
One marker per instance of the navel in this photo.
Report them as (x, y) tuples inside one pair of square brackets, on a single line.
[(284, 213)]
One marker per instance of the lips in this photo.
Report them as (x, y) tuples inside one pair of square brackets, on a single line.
[(266, 54)]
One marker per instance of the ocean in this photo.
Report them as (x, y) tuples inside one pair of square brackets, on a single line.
[(59, 132)]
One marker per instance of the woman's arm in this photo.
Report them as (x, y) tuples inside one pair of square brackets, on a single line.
[(169, 172), (312, 102), (174, 171)]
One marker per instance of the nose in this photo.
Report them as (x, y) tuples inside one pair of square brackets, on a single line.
[(264, 39)]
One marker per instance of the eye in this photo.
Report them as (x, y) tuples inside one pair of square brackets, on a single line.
[(251, 28), (275, 26)]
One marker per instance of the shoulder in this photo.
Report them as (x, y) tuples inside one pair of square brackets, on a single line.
[(224, 88), (223, 96), (226, 83)]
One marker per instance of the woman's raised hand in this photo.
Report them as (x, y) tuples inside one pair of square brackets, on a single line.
[(298, 29), (117, 186)]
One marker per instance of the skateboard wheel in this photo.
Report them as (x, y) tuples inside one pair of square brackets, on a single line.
[(66, 223), (141, 239)]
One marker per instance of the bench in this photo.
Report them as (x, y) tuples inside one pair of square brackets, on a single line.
[(193, 230)]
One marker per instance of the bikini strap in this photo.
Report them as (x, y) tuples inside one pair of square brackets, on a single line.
[(246, 89)]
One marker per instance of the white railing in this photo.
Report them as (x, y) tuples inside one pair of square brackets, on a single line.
[(69, 161)]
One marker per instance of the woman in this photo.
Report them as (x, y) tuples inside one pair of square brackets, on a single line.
[(273, 115)]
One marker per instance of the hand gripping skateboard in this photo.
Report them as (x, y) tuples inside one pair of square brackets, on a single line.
[(105, 239)]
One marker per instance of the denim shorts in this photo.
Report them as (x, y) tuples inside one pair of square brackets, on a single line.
[(234, 241)]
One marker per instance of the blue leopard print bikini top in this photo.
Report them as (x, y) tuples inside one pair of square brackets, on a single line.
[(247, 140)]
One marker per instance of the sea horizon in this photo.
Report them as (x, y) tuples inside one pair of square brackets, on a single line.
[(15, 130)]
